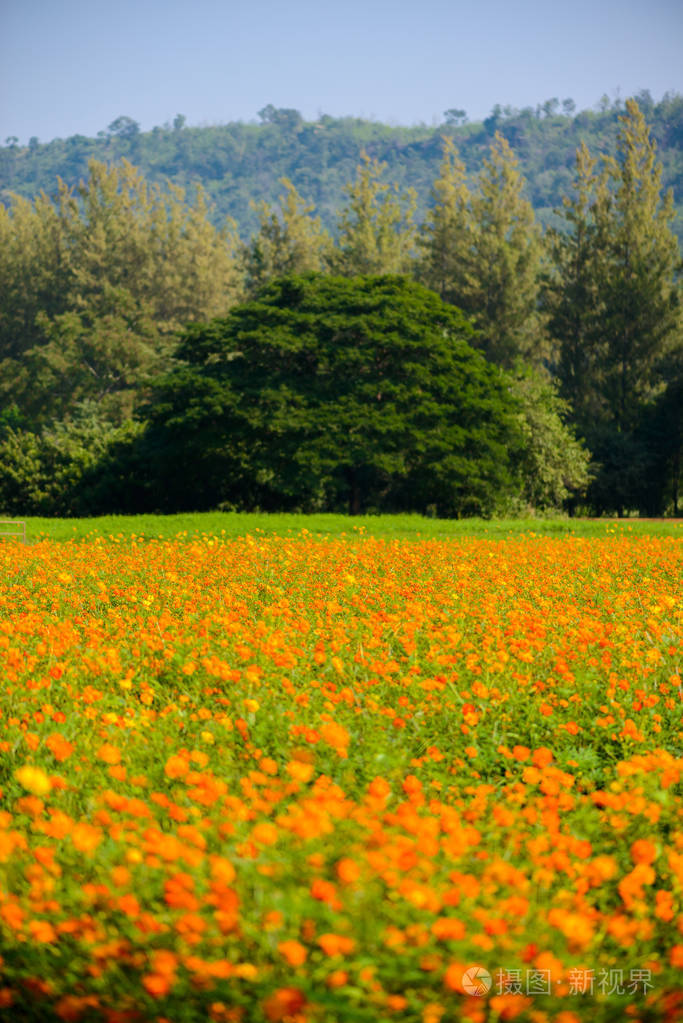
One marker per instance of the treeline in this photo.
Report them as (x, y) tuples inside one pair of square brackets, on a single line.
[(106, 393), (239, 162)]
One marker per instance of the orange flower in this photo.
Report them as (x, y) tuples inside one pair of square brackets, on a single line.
[(60, 748), (395, 1003), (108, 753), (325, 891), (433, 1013), (176, 767), (165, 962), (335, 735), (120, 876), (549, 637), (379, 788), (157, 984), (283, 1003), (453, 977), (12, 914), (577, 928), (85, 838), (336, 944), (42, 931), (222, 869), (299, 771), (509, 1006), (631, 886), (643, 851), (447, 928), (129, 905), (665, 906), (293, 951), (347, 870), (547, 962), (542, 756), (264, 833), (178, 892), (338, 978)]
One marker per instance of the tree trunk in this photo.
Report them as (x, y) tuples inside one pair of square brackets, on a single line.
[(676, 479), (354, 494)]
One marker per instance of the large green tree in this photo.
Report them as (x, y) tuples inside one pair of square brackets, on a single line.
[(80, 467), (329, 392)]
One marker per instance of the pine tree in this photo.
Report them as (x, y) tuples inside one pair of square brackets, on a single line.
[(289, 240), (376, 228), (614, 307), (504, 264), (642, 321), (33, 270), (482, 252), (99, 282), (447, 233), (572, 296), (152, 248)]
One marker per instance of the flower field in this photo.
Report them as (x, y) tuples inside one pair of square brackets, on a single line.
[(341, 780)]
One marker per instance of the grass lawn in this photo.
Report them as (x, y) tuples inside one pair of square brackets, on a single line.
[(237, 524)]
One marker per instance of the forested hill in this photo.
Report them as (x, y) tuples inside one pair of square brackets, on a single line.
[(238, 162)]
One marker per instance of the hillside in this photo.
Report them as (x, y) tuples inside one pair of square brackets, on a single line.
[(240, 162)]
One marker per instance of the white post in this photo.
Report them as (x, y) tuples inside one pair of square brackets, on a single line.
[(19, 530)]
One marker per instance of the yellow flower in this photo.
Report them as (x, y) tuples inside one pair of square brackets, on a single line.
[(34, 780)]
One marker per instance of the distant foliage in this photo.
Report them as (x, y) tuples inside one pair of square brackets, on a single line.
[(238, 163)]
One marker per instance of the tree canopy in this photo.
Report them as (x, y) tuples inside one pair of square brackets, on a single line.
[(327, 392)]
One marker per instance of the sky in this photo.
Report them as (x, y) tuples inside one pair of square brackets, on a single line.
[(72, 67)]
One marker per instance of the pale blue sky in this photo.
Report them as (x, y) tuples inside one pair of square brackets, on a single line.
[(72, 66)]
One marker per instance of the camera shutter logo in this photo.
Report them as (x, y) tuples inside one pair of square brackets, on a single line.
[(476, 980)]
